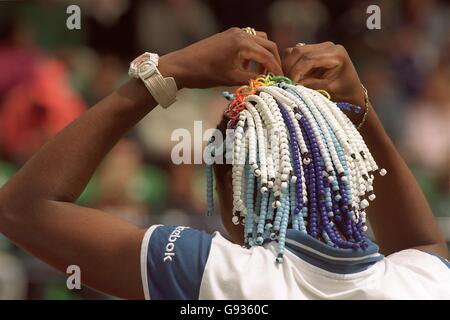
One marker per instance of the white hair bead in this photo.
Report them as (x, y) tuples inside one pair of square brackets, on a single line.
[(364, 203)]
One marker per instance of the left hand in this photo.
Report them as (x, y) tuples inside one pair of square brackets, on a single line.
[(221, 60), (324, 66)]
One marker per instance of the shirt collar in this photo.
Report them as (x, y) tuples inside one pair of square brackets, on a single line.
[(332, 259)]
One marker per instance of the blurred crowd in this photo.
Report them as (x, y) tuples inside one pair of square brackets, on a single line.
[(50, 75)]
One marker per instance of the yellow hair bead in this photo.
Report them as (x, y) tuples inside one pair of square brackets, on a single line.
[(324, 93)]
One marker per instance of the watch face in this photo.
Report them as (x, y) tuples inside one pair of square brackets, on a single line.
[(142, 58), (146, 62), (144, 67), (134, 65)]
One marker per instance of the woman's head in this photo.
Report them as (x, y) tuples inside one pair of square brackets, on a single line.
[(298, 163)]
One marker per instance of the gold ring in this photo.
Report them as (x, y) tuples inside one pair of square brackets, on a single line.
[(300, 44), (249, 30)]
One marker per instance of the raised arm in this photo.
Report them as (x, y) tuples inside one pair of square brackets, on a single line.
[(400, 216), (36, 205)]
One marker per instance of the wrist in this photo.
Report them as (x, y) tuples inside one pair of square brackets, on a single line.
[(365, 108), (168, 67), (163, 88), (358, 98)]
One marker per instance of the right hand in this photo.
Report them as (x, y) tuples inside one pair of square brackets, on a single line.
[(325, 66), (221, 60)]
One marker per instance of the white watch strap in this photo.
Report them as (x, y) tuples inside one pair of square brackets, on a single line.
[(162, 89)]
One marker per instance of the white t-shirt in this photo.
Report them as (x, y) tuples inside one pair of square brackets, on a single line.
[(184, 263)]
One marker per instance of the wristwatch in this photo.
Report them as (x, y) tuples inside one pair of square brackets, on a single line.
[(145, 67)]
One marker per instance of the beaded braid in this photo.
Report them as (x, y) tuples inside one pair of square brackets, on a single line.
[(285, 165), (238, 169), (271, 126), (337, 155), (298, 162), (261, 146), (358, 166), (365, 164)]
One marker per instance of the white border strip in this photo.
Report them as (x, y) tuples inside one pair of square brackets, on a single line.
[(295, 243), (144, 251)]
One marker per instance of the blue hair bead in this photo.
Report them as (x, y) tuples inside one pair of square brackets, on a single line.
[(259, 240)]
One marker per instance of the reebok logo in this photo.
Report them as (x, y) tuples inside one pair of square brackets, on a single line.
[(169, 254)]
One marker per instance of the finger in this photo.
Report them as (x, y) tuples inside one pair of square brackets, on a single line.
[(309, 63), (288, 51), (242, 77), (289, 58), (269, 45), (254, 51), (261, 34), (316, 84), (293, 54)]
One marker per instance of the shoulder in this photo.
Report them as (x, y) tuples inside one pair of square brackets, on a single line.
[(423, 274), (173, 260), (418, 259), (176, 242)]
